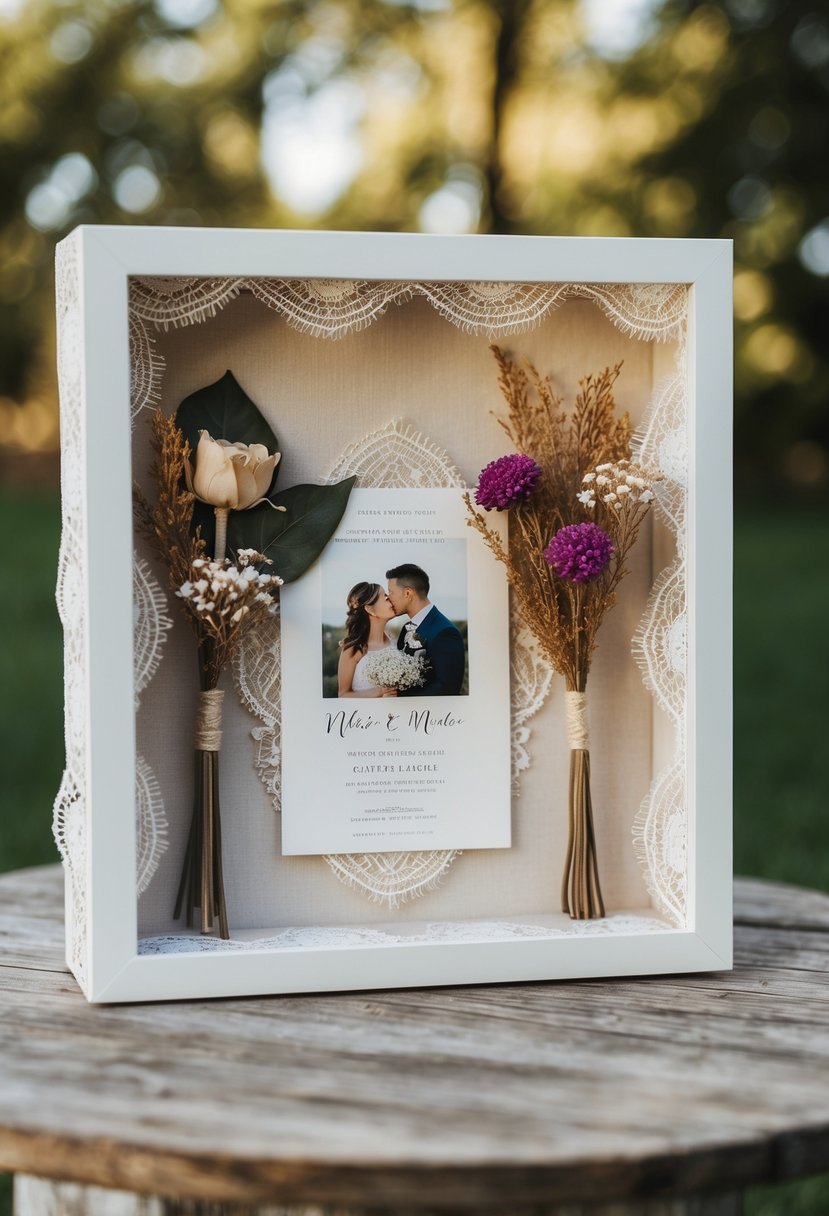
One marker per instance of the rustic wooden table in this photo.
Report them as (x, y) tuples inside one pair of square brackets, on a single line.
[(513, 1098)]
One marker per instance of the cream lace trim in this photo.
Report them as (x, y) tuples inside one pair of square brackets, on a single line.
[(660, 829), (325, 938), (331, 308)]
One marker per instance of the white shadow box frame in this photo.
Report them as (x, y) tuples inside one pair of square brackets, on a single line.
[(148, 315)]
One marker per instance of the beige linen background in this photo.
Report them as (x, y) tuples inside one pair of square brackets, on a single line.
[(320, 396)]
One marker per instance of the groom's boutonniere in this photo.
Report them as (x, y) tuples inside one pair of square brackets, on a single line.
[(412, 641)]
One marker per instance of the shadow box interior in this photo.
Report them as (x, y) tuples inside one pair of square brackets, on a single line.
[(411, 378)]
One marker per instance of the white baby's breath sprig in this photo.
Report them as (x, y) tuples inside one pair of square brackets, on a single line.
[(623, 490), (222, 598), (618, 495)]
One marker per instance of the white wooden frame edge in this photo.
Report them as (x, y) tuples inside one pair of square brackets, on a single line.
[(108, 256)]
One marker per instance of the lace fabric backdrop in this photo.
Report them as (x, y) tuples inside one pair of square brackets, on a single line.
[(337, 410)]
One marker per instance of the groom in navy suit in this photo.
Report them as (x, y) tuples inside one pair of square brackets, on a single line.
[(427, 630)]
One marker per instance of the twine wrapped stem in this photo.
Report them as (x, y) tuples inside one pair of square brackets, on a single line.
[(202, 881), (581, 896), (209, 720)]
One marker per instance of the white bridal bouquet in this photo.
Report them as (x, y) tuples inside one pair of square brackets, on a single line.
[(395, 669)]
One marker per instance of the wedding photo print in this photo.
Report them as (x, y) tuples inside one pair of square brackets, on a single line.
[(402, 739), (395, 619)]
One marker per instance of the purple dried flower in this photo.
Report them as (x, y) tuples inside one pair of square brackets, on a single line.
[(506, 482), (579, 552)]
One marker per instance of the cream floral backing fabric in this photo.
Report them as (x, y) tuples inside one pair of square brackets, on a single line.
[(568, 330)]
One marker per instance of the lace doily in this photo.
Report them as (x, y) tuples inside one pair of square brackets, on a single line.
[(151, 625), (146, 368), (151, 823), (396, 456), (152, 622), (327, 308), (335, 937), (647, 311), (169, 302), (495, 307)]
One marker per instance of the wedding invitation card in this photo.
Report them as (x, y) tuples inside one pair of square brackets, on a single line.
[(395, 684)]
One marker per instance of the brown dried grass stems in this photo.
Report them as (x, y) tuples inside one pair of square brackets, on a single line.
[(167, 525)]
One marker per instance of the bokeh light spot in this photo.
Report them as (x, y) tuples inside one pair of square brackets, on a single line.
[(749, 198), (702, 42), (814, 249), (753, 295), (670, 203), (232, 145), (769, 128), (71, 41), (311, 149), (50, 203), (186, 14), (777, 353), (136, 189), (810, 41), (454, 208), (118, 114), (74, 175), (615, 28), (33, 427), (750, 14), (177, 61)]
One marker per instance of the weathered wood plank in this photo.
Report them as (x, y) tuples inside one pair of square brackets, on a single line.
[(39, 1197), (472, 1098), (780, 906)]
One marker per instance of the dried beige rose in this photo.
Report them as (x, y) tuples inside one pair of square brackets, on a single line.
[(231, 476)]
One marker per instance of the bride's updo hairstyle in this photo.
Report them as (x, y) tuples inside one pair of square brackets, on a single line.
[(358, 622)]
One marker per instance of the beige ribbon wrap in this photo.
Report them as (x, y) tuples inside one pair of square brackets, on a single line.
[(575, 705), (209, 721)]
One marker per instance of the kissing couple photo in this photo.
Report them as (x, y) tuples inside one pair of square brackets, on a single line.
[(426, 656)]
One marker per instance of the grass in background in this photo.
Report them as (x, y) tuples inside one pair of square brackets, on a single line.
[(781, 761), (781, 678), (31, 677)]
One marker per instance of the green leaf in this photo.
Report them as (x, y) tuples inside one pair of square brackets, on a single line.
[(293, 539), (226, 411)]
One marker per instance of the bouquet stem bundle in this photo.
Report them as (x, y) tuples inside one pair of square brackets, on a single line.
[(581, 894), (202, 880), (576, 503)]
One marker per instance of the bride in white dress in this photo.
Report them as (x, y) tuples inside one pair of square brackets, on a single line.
[(369, 611)]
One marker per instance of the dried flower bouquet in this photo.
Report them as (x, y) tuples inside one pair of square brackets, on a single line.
[(227, 499), (576, 505)]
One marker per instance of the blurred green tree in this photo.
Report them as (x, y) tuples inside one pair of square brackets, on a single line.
[(443, 115), (732, 98)]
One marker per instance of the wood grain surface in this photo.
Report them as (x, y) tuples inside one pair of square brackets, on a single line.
[(471, 1099)]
